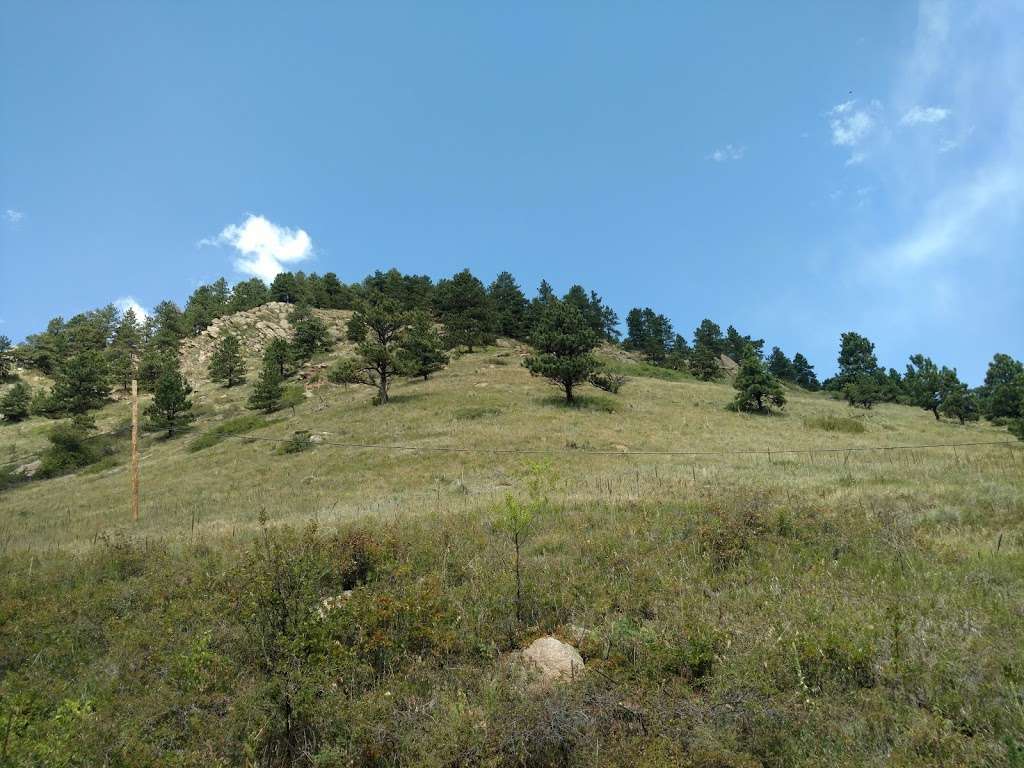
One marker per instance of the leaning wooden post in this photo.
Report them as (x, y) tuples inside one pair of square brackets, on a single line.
[(135, 450)]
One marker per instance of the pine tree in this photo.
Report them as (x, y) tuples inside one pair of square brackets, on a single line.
[(928, 385), (309, 333), (248, 294), (1002, 397), (125, 347), (278, 353), (510, 307), (267, 391), (15, 404), (166, 326), (421, 352), (708, 345), (803, 373), (285, 288), (465, 309), (780, 366), (961, 404), (6, 358), (861, 390), (564, 343), (650, 333), (82, 383), (738, 346), (756, 388), (377, 329), (226, 362), (171, 408)]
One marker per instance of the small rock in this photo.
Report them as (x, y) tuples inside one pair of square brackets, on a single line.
[(28, 470), (554, 660), (328, 604)]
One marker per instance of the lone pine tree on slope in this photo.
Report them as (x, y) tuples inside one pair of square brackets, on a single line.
[(226, 363), (564, 342)]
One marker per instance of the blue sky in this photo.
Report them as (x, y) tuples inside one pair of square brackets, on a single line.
[(795, 169)]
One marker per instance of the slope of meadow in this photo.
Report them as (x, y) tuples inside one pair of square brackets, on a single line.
[(733, 609)]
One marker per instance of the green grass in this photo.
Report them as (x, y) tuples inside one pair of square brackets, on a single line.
[(833, 423), (733, 609), (230, 428)]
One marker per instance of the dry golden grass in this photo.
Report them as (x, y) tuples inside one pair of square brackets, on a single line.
[(483, 402)]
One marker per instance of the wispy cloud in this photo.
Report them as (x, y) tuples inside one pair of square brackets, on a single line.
[(955, 217), (263, 247), (727, 153), (128, 302), (850, 124), (13, 217), (917, 115)]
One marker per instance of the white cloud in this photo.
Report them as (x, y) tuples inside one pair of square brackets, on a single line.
[(726, 153), (927, 115), (856, 158), (128, 302), (264, 247), (850, 125), (13, 217)]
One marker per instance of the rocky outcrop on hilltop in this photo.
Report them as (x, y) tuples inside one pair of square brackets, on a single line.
[(255, 329)]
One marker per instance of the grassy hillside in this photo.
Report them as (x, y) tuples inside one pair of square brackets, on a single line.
[(733, 609)]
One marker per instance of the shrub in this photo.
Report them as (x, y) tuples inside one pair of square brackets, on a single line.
[(301, 440), (609, 382)]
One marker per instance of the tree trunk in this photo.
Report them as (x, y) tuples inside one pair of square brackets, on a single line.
[(568, 391), (382, 390), (935, 411)]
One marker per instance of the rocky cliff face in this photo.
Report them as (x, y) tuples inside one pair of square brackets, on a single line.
[(255, 328)]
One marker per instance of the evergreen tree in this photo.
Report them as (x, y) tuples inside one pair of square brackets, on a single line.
[(544, 298), (171, 408), (649, 333), (421, 352), (44, 351), (15, 403), (510, 307), (679, 355), (961, 404), (1002, 397), (564, 343), (309, 333), (465, 309), (278, 353), (756, 388), (708, 345), (856, 357), (6, 358), (124, 349), (780, 366), (82, 383), (285, 288), (152, 362), (248, 294), (409, 292), (226, 362), (739, 347), (166, 326), (207, 303), (803, 373), (378, 330), (861, 390), (927, 385), (267, 391)]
